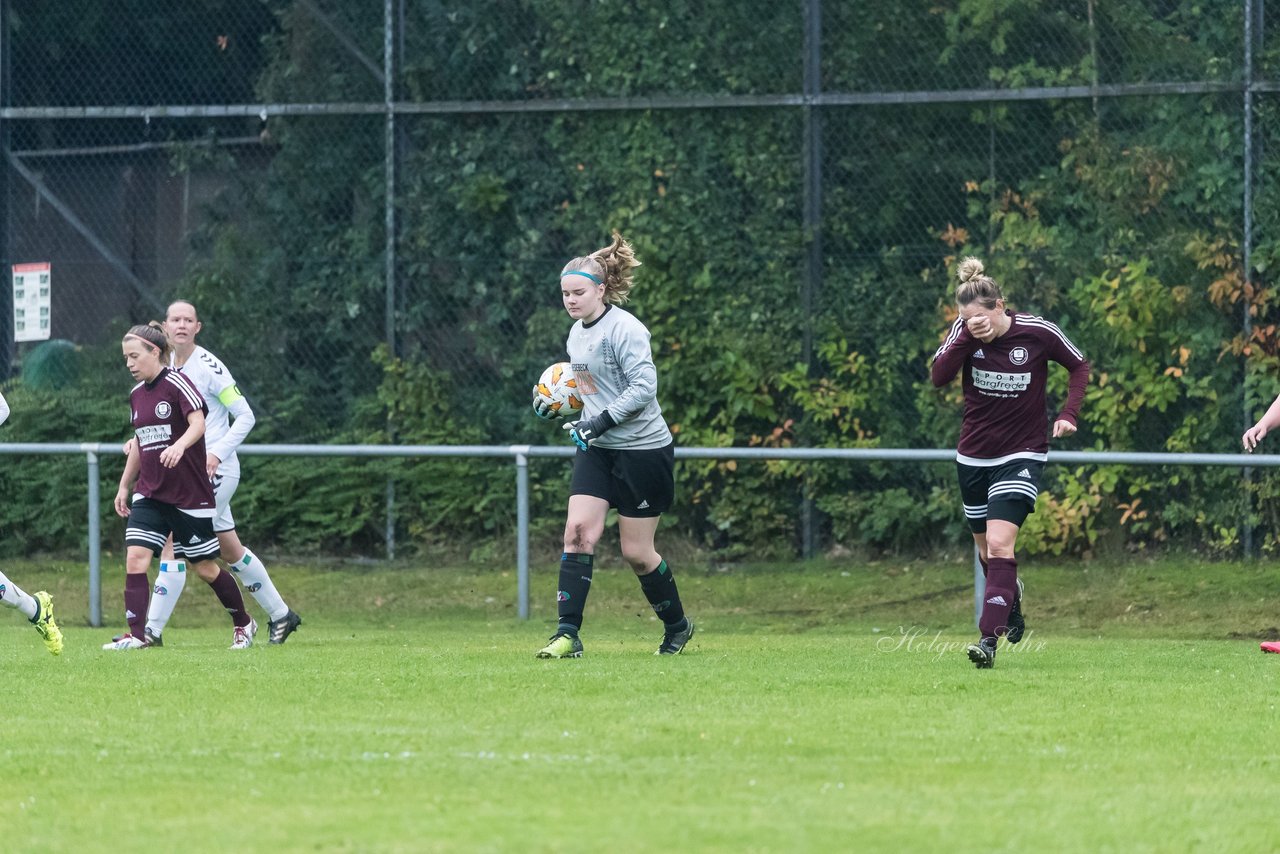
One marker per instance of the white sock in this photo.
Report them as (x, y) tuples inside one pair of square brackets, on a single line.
[(14, 596), (253, 575), (170, 581)]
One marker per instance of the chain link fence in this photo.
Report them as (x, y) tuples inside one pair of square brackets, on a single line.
[(351, 192)]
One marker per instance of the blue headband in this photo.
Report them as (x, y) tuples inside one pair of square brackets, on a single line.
[(591, 276)]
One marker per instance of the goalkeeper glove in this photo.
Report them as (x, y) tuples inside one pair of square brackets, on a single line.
[(587, 430), (541, 408)]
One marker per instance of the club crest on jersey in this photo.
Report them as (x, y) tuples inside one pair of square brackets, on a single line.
[(1019, 355), (163, 409)]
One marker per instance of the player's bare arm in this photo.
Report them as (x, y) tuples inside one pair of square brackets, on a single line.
[(170, 456), (1255, 434), (131, 467)]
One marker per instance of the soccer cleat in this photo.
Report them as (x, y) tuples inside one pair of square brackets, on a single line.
[(1017, 623), (983, 653), (125, 642), (1270, 646), (242, 637), (674, 642), (45, 625), (278, 631), (562, 645), (152, 639)]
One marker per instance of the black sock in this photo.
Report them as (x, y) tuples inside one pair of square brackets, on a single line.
[(659, 588), (575, 584)]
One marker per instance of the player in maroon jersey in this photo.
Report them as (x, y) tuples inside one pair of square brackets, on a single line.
[(1004, 440), (173, 494)]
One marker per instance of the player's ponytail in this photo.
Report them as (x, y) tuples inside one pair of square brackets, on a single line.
[(975, 286), (610, 266), (617, 259), (153, 336)]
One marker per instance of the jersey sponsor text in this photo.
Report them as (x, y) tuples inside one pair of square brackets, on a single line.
[(586, 382), (1001, 380), (152, 433)]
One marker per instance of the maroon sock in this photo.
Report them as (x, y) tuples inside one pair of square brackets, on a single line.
[(1002, 589), (228, 593), (984, 566), (137, 591)]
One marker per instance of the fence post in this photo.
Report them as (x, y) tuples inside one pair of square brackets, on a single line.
[(391, 226), (979, 587), (6, 214), (812, 221), (95, 542), (1246, 526), (522, 528), (389, 534)]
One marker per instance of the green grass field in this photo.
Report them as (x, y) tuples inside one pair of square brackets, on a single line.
[(824, 708)]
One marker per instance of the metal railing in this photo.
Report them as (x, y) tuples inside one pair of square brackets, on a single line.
[(521, 454)]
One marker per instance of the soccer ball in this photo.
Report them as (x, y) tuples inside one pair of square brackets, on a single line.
[(558, 390)]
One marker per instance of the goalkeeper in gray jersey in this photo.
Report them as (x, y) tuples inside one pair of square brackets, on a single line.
[(626, 456)]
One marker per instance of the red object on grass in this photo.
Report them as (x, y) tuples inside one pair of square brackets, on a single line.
[(1271, 646)]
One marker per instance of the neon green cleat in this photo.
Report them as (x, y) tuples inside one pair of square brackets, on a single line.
[(45, 625), (562, 645)]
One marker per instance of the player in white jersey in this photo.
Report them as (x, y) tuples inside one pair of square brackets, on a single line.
[(1269, 421), (229, 421), (38, 608), (625, 456)]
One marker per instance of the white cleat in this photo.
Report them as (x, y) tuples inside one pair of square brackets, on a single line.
[(125, 642), (242, 637)]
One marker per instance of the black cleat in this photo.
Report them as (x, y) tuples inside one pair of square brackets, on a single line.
[(153, 639), (674, 642), (278, 631), (1017, 623), (983, 653)]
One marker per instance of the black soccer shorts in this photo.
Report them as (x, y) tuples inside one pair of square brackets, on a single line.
[(638, 483), (1006, 492), (151, 522)]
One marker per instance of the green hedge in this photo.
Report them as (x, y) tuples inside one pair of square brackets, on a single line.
[(1121, 220)]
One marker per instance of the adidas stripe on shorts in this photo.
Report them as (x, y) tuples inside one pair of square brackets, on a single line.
[(638, 483), (151, 522), (1006, 491)]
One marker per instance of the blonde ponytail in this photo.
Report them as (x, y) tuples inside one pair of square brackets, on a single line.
[(610, 266)]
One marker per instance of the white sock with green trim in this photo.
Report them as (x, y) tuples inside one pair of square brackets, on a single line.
[(252, 573), (170, 582), (14, 596)]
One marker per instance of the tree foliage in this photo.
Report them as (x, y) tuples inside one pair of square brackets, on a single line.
[(1120, 219)]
